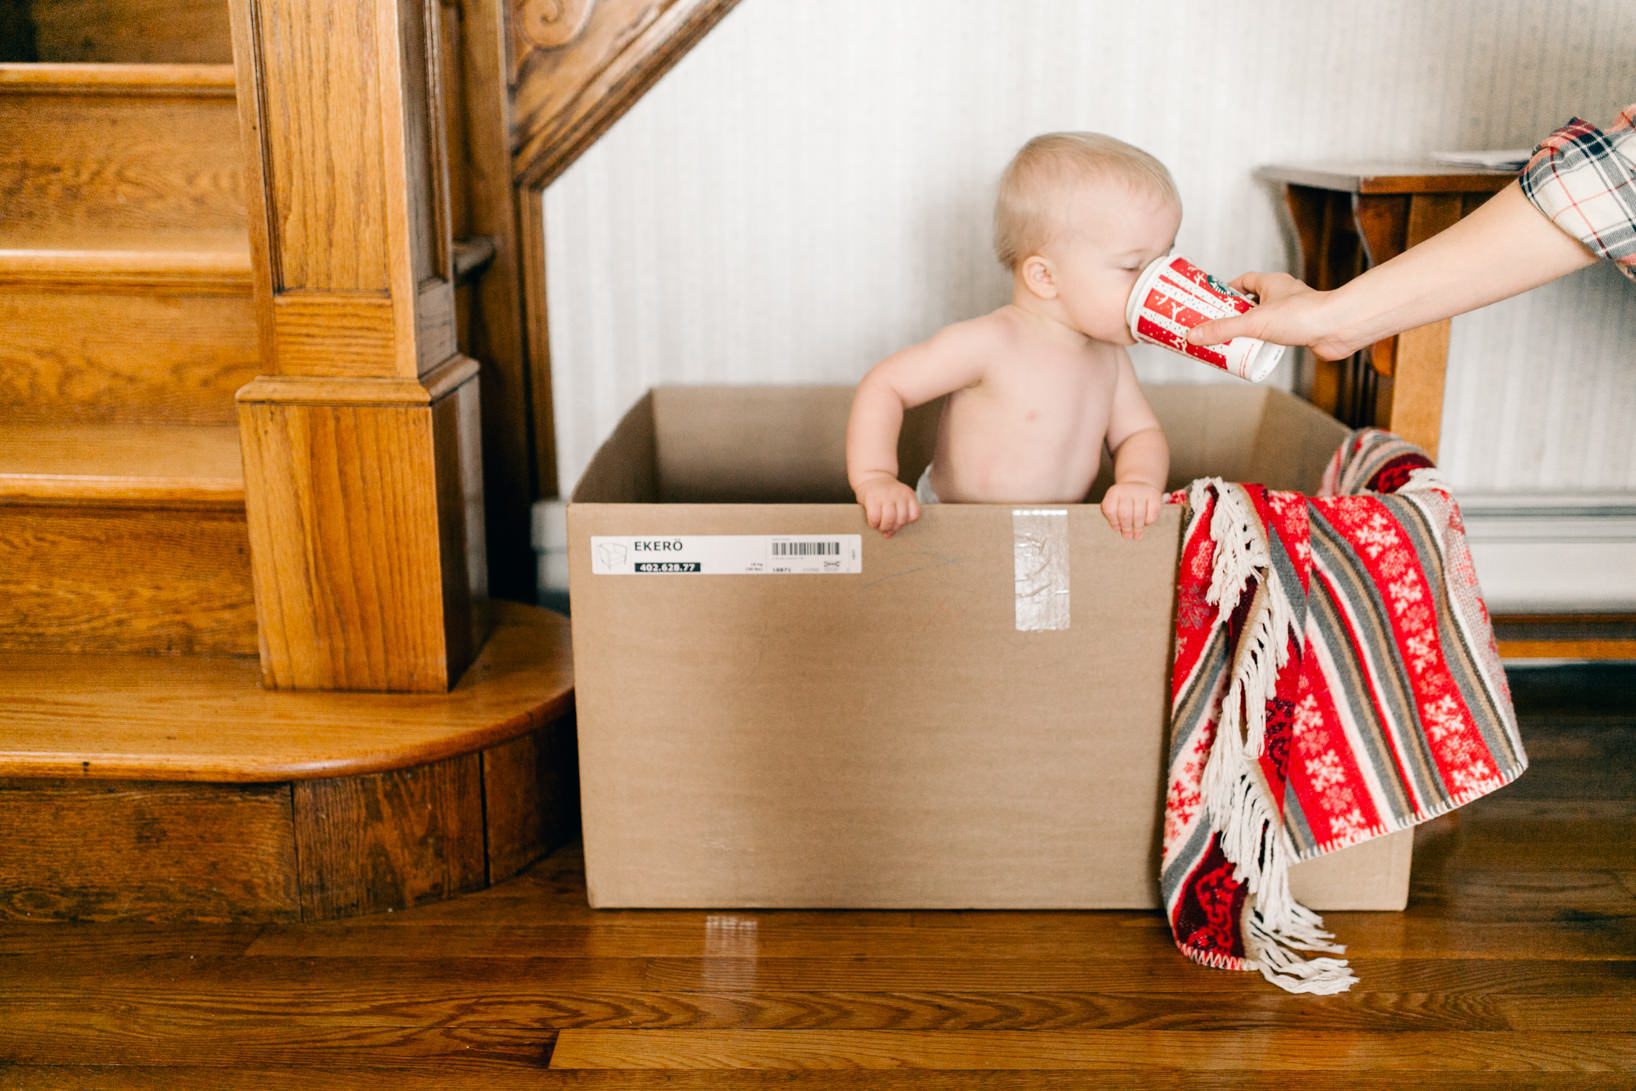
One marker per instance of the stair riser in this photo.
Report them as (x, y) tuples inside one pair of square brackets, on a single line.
[(134, 580), (76, 164), (134, 31), (124, 355)]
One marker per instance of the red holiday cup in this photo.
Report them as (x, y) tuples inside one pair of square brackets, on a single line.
[(1172, 295)]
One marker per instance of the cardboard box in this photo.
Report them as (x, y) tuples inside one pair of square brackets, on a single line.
[(886, 737)]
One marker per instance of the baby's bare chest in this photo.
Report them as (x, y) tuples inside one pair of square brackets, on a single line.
[(1051, 393)]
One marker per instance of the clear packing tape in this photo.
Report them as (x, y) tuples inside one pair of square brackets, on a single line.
[(1039, 539)]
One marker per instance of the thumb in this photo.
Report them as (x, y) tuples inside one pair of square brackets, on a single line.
[(1217, 330)]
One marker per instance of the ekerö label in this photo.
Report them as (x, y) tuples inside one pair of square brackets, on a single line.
[(728, 555)]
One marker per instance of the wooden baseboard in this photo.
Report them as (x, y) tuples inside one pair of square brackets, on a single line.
[(1566, 636)]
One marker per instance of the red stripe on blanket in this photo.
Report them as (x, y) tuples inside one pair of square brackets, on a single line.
[(1333, 809)]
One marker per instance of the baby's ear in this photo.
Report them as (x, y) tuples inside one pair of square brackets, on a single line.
[(1039, 276)]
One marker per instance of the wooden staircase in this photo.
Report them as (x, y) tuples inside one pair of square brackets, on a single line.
[(144, 769), (125, 300)]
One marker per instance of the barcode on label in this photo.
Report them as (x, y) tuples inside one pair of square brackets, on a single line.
[(806, 549), (727, 554)]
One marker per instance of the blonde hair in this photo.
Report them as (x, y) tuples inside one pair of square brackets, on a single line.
[(1029, 208)]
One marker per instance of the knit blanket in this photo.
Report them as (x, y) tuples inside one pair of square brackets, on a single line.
[(1336, 679)]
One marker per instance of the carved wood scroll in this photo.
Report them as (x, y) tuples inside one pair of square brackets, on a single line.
[(549, 24), (578, 65)]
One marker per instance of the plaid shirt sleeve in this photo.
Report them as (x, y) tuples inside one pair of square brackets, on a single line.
[(1584, 180)]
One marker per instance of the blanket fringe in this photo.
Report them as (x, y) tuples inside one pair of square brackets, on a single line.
[(1292, 973), (1252, 837)]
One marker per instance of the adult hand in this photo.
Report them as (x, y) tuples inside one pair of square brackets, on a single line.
[(1289, 313), (1506, 246)]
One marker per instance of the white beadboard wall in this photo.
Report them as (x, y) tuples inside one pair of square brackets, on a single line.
[(810, 189)]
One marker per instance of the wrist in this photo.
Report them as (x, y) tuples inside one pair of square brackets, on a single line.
[(870, 477), (1342, 319)]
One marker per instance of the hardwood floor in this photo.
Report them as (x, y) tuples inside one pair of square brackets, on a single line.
[(1514, 966)]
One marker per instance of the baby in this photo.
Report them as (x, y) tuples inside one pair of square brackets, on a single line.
[(1038, 386)]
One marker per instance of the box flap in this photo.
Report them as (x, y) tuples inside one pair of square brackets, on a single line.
[(787, 444), (623, 469), (768, 444), (1294, 442)]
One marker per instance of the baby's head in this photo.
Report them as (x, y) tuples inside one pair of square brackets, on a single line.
[(1036, 202), (1077, 217)]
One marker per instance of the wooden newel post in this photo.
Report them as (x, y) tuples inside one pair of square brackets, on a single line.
[(362, 453)]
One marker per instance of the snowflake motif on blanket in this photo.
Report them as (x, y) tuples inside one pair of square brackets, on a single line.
[(1325, 771), (1323, 766), (1421, 648), (1476, 779), (1376, 535), (1348, 827), (1310, 734), (1182, 799), (1405, 593), (1446, 725), (1398, 564)]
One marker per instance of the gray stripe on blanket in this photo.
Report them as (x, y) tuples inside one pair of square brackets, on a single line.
[(1187, 859), (1208, 674)]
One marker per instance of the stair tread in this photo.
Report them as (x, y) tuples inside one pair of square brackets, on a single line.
[(51, 77), (129, 463), (136, 717)]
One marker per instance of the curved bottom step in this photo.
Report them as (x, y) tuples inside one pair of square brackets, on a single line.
[(203, 801)]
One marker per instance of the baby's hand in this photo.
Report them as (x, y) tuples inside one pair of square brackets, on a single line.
[(1131, 507), (888, 504)]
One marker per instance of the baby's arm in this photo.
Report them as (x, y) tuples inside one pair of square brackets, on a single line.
[(953, 358), (1141, 457)]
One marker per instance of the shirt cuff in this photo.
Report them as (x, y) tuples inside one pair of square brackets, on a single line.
[(1583, 180)]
